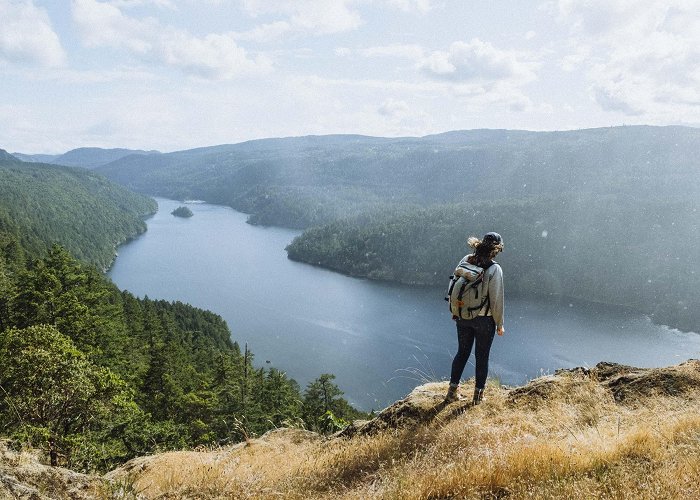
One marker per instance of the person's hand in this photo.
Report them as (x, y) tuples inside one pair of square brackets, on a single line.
[(500, 330)]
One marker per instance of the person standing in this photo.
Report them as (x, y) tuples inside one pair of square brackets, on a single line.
[(486, 320)]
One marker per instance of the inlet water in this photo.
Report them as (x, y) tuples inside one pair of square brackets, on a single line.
[(379, 340)]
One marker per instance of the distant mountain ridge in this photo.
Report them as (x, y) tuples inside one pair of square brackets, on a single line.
[(304, 181), (566, 199), (608, 200), (89, 158), (5, 156), (35, 158)]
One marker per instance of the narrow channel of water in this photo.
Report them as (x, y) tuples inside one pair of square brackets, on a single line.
[(379, 340)]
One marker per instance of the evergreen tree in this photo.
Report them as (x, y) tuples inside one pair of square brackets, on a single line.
[(102, 376), (54, 396), (279, 399), (58, 290), (323, 403)]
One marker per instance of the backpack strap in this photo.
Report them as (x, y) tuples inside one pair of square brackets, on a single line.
[(487, 301), (459, 297)]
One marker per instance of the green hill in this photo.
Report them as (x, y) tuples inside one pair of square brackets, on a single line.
[(95, 157), (83, 211), (304, 181), (605, 214), (93, 376), (5, 156), (83, 157)]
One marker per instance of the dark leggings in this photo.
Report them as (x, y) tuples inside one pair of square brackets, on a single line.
[(482, 329)]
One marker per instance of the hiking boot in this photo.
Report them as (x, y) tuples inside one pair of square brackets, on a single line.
[(478, 396), (452, 395)]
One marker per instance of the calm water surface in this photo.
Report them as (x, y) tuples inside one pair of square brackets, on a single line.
[(379, 340)]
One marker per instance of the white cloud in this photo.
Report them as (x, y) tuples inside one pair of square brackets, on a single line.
[(572, 62), (477, 61), (397, 118), (503, 95), (317, 17), (412, 52), (393, 108), (265, 32), (213, 56), (614, 97), (113, 75), (139, 3), (343, 51), (314, 17), (26, 35), (530, 35), (407, 51), (421, 6), (640, 58), (475, 97), (103, 24)]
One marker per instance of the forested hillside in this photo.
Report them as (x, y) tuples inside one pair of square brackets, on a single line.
[(92, 375), (601, 214), (642, 254), (88, 214), (305, 181)]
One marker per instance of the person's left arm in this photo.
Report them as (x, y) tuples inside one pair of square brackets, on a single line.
[(496, 297)]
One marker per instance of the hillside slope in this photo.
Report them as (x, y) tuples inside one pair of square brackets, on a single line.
[(304, 181), (23, 476), (603, 215), (83, 157), (88, 214), (611, 431)]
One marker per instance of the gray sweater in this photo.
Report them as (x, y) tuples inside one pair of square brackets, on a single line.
[(494, 282)]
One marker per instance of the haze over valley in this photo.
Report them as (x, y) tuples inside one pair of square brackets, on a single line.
[(400, 209), (227, 229)]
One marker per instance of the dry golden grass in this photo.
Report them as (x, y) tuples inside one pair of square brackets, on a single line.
[(23, 474), (565, 438)]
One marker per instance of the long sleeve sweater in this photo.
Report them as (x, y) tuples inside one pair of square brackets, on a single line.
[(496, 295)]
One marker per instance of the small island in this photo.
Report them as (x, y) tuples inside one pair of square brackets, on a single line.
[(182, 212)]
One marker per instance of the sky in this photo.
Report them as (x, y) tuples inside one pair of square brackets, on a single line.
[(177, 74)]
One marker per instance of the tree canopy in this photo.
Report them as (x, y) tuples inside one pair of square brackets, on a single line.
[(86, 213), (610, 200), (95, 375)]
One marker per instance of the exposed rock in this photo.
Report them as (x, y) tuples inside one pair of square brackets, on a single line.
[(421, 405), (22, 475), (276, 438), (629, 384), (624, 384)]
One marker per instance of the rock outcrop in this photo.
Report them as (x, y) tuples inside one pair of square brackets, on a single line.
[(23, 476), (624, 384)]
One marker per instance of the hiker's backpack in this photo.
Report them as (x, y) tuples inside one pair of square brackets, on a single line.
[(465, 291)]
